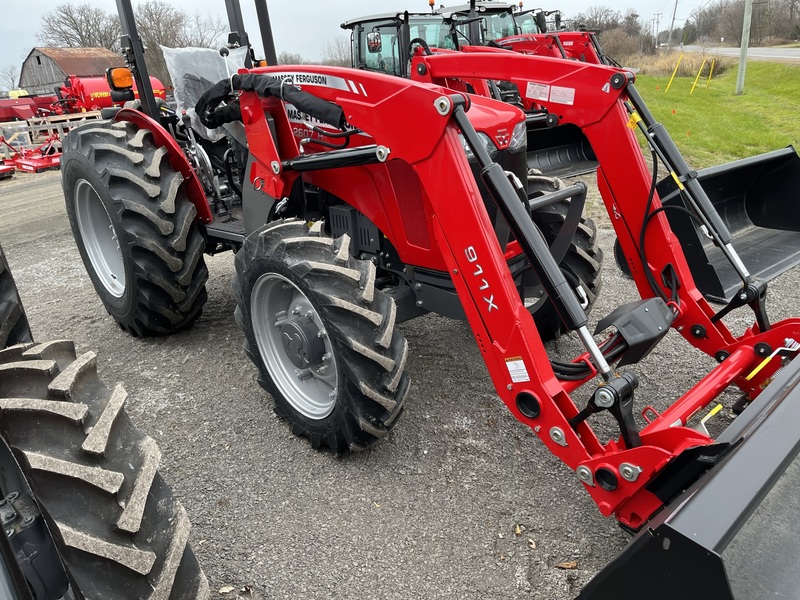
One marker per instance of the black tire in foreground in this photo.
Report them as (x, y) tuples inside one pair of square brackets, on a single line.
[(124, 534), (14, 328), (134, 226), (323, 338), (581, 264)]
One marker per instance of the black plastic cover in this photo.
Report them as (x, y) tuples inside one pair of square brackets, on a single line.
[(641, 324)]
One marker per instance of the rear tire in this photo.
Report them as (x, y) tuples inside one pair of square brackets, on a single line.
[(581, 264), (135, 228), (323, 338), (122, 533), (14, 328)]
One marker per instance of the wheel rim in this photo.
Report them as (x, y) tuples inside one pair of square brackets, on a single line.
[(293, 345), (99, 238)]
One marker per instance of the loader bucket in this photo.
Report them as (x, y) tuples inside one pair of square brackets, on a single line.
[(561, 151), (758, 198), (734, 533)]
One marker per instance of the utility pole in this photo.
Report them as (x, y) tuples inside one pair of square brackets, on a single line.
[(656, 21), (672, 26), (748, 14)]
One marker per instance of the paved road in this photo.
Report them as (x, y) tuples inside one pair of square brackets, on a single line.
[(430, 512), (775, 54)]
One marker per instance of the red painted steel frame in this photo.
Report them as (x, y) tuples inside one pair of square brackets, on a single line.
[(578, 45), (425, 200)]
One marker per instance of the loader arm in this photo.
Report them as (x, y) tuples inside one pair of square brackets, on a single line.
[(597, 99), (431, 210)]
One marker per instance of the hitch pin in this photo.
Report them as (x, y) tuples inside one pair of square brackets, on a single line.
[(791, 346)]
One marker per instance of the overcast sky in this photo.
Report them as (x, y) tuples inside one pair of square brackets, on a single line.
[(302, 26)]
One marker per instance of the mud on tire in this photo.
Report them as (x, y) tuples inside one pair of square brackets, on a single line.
[(14, 328), (134, 227), (124, 534), (323, 338)]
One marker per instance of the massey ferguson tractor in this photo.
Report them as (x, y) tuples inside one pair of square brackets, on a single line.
[(380, 43), (354, 200), (85, 512)]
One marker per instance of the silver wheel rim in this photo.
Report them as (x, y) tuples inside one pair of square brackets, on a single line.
[(99, 239), (289, 330)]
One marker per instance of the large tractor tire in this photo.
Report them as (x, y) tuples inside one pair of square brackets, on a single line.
[(323, 338), (14, 328), (135, 228), (120, 531), (581, 264)]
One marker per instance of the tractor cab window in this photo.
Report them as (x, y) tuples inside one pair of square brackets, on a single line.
[(433, 30), (498, 25), (527, 23), (493, 25), (379, 49)]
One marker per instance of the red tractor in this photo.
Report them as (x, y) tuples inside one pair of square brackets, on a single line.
[(382, 43), (355, 200)]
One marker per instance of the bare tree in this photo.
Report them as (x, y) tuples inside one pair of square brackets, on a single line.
[(159, 23), (200, 32), (630, 23), (290, 58), (79, 26), (600, 18), (9, 77), (337, 52), (619, 44)]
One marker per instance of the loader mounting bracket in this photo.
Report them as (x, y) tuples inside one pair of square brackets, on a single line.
[(753, 294), (616, 396)]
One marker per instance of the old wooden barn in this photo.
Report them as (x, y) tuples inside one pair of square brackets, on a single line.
[(46, 68)]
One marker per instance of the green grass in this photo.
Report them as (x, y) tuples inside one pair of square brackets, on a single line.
[(714, 125)]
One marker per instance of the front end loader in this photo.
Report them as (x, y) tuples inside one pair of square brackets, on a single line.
[(353, 198)]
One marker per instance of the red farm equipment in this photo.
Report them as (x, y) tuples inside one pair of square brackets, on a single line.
[(82, 94), (380, 43), (44, 157), (355, 200)]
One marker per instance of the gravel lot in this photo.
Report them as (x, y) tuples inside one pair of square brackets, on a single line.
[(433, 511)]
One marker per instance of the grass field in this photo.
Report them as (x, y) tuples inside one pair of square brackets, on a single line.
[(714, 125)]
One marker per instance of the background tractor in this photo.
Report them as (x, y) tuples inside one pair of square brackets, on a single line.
[(382, 43), (354, 200)]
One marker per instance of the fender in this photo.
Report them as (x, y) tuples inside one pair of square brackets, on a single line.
[(178, 160)]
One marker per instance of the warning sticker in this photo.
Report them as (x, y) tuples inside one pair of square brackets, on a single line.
[(537, 91), (562, 95), (516, 368)]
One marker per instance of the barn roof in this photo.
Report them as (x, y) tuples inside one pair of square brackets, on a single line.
[(82, 61)]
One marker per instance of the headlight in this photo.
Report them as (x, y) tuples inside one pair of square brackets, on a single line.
[(519, 138), (487, 142)]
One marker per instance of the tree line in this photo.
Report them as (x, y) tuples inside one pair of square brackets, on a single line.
[(159, 24), (629, 33), (623, 34)]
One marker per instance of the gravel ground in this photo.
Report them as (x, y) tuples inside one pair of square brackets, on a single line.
[(460, 501)]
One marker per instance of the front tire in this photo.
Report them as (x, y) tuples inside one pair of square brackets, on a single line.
[(581, 264), (14, 328), (135, 228), (121, 532), (323, 338)]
